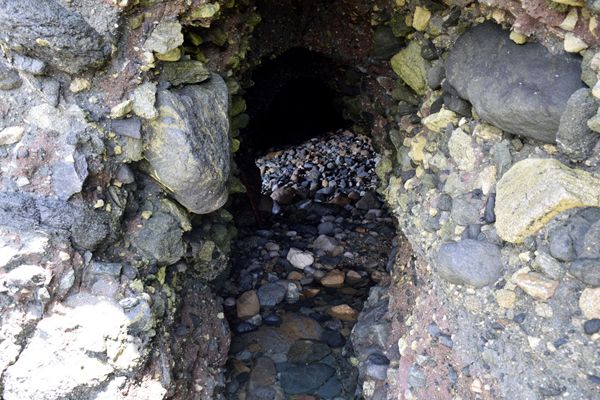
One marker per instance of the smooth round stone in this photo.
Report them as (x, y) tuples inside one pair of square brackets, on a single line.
[(245, 327), (271, 294), (333, 338), (591, 326), (326, 228), (272, 320)]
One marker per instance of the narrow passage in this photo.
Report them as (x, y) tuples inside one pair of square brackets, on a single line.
[(297, 286)]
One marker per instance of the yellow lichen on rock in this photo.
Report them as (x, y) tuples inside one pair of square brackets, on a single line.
[(421, 18), (534, 191), (410, 66)]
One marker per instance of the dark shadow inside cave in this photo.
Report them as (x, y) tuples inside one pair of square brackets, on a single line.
[(295, 97)]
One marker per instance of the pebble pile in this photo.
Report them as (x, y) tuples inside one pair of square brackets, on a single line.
[(337, 163), (298, 287)]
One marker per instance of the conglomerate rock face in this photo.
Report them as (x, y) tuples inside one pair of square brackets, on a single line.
[(116, 162)]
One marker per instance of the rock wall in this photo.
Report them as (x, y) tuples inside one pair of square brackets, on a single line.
[(494, 182), (116, 139)]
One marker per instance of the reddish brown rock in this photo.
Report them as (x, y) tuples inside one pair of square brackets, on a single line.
[(295, 327), (247, 305), (353, 277), (334, 279), (343, 312)]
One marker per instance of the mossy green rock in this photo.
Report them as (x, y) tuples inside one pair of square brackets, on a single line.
[(534, 191), (187, 147), (184, 72), (411, 67)]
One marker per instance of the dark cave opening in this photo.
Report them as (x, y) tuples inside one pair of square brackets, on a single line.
[(294, 97)]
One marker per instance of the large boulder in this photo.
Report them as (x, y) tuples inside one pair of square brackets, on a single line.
[(46, 30), (522, 89), (187, 146)]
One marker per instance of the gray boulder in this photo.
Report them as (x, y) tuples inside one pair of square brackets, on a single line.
[(46, 30), (187, 147), (522, 89), (469, 262), (574, 138)]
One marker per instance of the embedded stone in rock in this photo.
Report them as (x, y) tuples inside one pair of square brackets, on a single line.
[(470, 262), (574, 137), (536, 285), (589, 302), (300, 259), (9, 79), (587, 271), (184, 72), (439, 121), (187, 146), (165, 37), (247, 305), (24, 276), (522, 89), (143, 99), (533, 191), (411, 67), (160, 239), (46, 30), (11, 135)]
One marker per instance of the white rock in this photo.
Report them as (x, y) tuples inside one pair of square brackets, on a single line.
[(11, 135), (87, 341), (461, 150), (300, 259), (570, 20), (589, 302), (573, 44)]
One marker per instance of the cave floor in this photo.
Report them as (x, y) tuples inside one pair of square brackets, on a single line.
[(297, 287)]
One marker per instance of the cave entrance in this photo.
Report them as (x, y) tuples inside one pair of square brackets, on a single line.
[(293, 98), (319, 240)]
